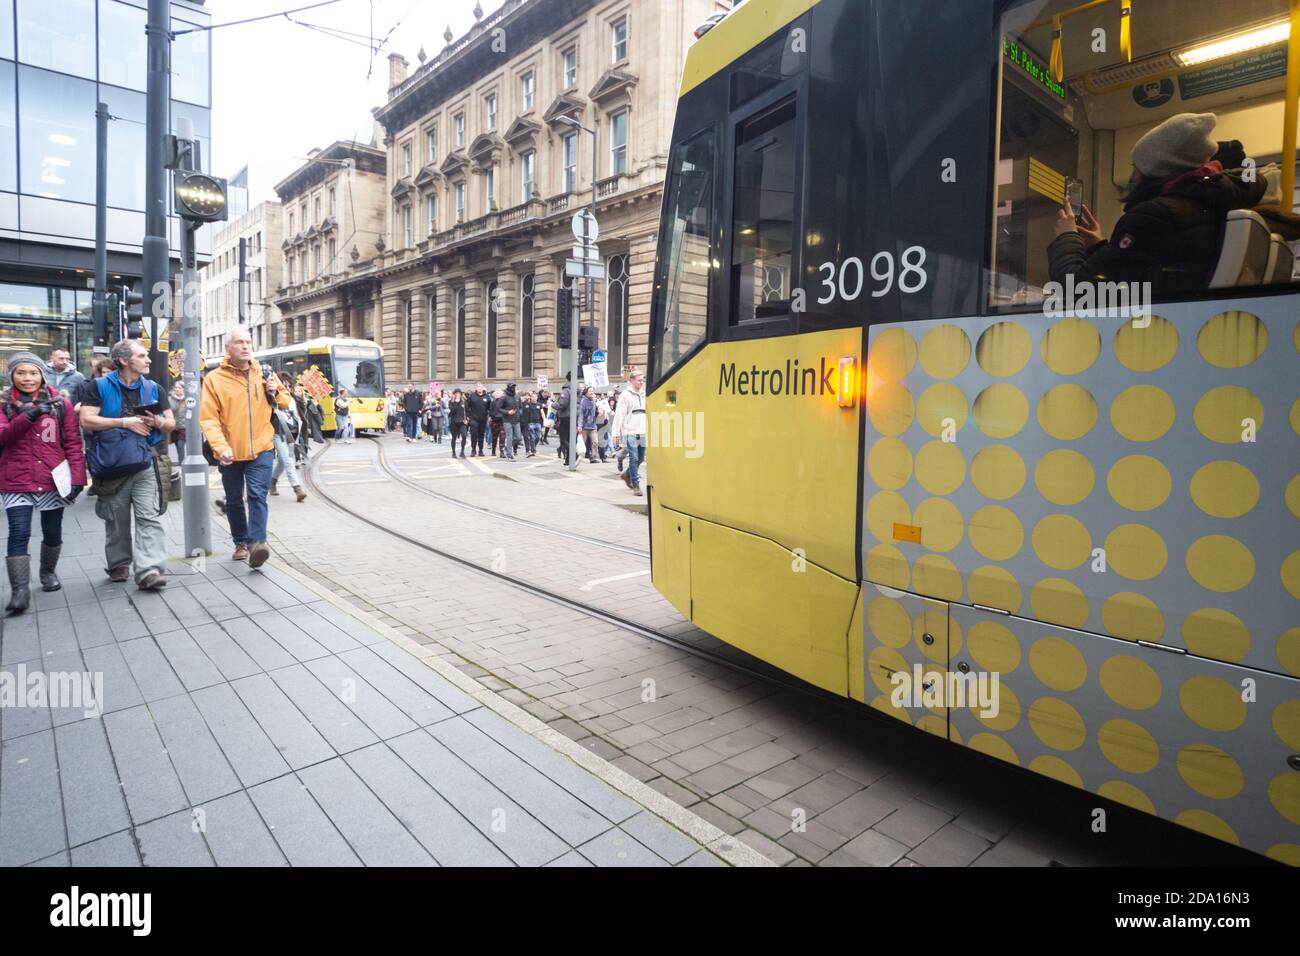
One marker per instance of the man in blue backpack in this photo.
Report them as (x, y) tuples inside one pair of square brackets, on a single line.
[(126, 417)]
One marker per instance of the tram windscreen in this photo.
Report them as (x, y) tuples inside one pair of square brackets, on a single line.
[(359, 370)]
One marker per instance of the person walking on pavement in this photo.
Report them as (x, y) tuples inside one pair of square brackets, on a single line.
[(457, 421), (41, 469), (62, 375), (126, 417), (476, 409), (343, 429), (286, 426), (436, 414), (587, 422), (235, 415), (562, 407), (412, 405), (629, 428), (513, 437), (530, 417)]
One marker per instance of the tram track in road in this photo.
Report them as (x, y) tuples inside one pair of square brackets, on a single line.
[(396, 475), (758, 671)]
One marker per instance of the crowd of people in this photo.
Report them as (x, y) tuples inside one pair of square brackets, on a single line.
[(505, 422)]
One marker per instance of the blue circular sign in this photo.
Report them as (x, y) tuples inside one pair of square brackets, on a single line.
[(598, 357)]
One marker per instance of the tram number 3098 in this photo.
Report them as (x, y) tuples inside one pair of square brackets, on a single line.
[(845, 280)]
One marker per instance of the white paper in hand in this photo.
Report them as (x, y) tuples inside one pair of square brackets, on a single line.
[(62, 475)]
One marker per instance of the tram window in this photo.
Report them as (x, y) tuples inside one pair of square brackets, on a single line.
[(762, 256), (1173, 126), (361, 374), (682, 295), (757, 73)]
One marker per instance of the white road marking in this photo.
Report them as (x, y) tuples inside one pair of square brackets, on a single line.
[(618, 577)]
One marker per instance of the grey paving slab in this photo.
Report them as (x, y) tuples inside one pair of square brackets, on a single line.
[(608, 802), (370, 705), (222, 650), (444, 832), (301, 829), (31, 817), (289, 585), (290, 636), (187, 659), (153, 610), (122, 619), (252, 755), (257, 644), (494, 814), (185, 607), (451, 697), (90, 624), (55, 629), (405, 694), (117, 849), (236, 834), (372, 831), (120, 690), (617, 848), (21, 640), (153, 673), (572, 859), (702, 858), (659, 837), (33, 716), (542, 797), (150, 784), (344, 730), (57, 859), (218, 606), (269, 591), (93, 805), (236, 591), (321, 629), (292, 734), (204, 772), (175, 840)]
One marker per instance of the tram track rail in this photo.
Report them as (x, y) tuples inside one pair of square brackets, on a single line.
[(396, 475), (762, 672)]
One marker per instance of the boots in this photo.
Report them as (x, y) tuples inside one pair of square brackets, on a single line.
[(302, 495), (274, 482), (49, 561), (20, 581)]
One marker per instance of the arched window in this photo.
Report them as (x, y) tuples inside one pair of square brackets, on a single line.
[(431, 324), (526, 303), (490, 340), (616, 313), (460, 333)]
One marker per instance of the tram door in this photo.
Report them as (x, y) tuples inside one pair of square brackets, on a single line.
[(908, 642)]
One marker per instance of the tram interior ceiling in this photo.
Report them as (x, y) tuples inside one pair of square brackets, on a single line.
[(1080, 89)]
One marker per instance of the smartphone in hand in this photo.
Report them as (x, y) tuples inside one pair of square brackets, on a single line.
[(1074, 196)]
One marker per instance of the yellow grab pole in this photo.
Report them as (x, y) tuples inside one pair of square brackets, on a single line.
[(1290, 110)]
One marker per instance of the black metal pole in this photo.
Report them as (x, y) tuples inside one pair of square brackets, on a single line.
[(99, 302), (243, 265), (156, 253)]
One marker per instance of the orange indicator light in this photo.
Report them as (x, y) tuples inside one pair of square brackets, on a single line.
[(848, 393)]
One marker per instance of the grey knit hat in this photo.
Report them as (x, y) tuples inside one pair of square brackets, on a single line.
[(26, 358), (1177, 145)]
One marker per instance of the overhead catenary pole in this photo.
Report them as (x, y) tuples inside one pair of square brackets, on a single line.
[(99, 301), (194, 467), (154, 266)]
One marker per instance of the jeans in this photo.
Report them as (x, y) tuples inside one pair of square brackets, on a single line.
[(284, 464), (20, 528), (254, 477), (513, 438), (411, 424), (147, 547), (344, 431), (589, 442), (635, 456), (532, 433)]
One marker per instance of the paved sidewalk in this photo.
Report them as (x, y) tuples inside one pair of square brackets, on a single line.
[(249, 720)]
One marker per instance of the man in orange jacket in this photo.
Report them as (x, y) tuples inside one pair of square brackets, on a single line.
[(235, 416)]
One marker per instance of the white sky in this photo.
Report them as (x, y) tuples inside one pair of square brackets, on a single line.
[(281, 89)]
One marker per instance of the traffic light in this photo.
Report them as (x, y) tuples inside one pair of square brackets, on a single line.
[(564, 319), (134, 303), (587, 337)]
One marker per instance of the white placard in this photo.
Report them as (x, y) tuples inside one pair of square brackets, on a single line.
[(595, 376)]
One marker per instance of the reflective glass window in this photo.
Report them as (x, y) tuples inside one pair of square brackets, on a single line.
[(58, 36), (490, 308), (527, 304), (57, 135), (126, 147), (762, 251), (190, 64), (123, 46), (618, 143), (7, 29), (8, 128)]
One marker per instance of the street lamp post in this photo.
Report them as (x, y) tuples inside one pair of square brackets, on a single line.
[(574, 402)]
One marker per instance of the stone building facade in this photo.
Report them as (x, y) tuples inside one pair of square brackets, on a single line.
[(262, 231), (334, 238), (484, 177)]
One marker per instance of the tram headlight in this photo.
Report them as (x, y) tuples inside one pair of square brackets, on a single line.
[(848, 388)]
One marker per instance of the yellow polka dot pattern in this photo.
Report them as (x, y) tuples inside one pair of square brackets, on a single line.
[(1115, 479)]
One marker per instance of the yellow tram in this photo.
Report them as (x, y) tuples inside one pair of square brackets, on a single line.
[(1056, 523)]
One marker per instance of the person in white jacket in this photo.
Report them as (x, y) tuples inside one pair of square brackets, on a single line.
[(630, 427)]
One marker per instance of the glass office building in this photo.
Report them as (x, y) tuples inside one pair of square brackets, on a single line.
[(57, 59)]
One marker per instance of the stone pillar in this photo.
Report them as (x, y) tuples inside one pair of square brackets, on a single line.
[(419, 338), (640, 292), (545, 356), (389, 335), (445, 306), (508, 325)]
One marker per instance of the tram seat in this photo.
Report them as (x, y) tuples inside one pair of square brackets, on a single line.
[(1281, 260), (1244, 252)]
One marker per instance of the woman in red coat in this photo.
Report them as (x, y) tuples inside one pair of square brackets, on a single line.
[(40, 448)]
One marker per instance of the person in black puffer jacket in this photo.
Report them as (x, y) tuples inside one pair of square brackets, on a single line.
[(457, 420), (477, 403), (1174, 212)]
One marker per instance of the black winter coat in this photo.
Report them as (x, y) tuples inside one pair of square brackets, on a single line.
[(1170, 240), (456, 413), (476, 406), (412, 402)]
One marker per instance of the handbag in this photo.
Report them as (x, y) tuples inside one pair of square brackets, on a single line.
[(116, 452)]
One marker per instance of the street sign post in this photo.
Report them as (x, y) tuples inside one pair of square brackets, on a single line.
[(598, 357)]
